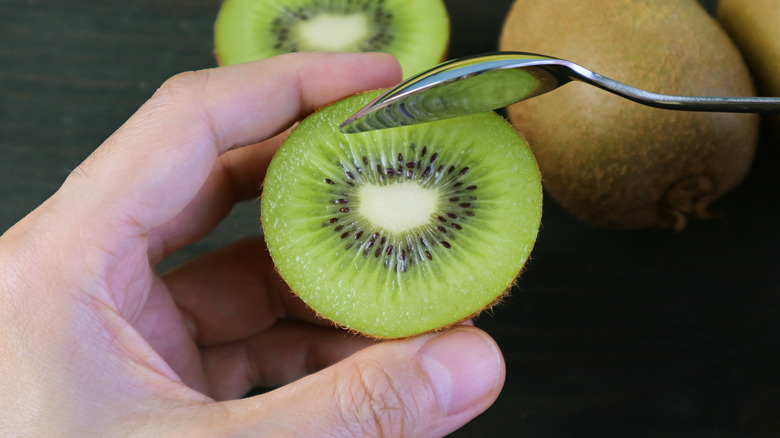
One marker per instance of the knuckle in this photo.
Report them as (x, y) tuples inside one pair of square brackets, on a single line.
[(182, 89), (180, 84), (370, 404), (187, 93)]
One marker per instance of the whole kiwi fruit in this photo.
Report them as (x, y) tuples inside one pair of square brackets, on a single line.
[(754, 25), (615, 163), (396, 232)]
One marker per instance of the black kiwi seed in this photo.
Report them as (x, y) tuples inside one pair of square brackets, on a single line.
[(407, 259), (287, 19), (401, 253)]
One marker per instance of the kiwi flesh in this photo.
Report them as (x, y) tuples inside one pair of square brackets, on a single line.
[(401, 231), (416, 32), (754, 25), (617, 164)]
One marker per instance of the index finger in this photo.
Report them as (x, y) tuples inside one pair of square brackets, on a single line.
[(145, 173)]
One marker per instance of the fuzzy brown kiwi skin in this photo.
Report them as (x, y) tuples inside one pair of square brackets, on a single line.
[(617, 164), (754, 25), (497, 301)]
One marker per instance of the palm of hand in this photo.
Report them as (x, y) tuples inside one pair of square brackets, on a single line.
[(95, 343), (218, 324)]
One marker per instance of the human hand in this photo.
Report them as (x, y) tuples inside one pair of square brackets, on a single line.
[(95, 343)]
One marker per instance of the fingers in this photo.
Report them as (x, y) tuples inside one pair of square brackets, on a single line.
[(155, 164), (423, 387), (233, 293), (285, 352), (237, 176)]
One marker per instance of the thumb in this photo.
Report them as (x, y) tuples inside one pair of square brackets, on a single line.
[(427, 386)]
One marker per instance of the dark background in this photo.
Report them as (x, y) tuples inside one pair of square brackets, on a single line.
[(649, 333)]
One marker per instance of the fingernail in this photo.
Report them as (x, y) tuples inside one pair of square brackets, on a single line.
[(464, 366)]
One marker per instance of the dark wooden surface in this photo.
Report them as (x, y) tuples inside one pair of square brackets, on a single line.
[(648, 333)]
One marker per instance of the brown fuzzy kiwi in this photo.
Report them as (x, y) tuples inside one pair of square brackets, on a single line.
[(755, 27), (615, 163)]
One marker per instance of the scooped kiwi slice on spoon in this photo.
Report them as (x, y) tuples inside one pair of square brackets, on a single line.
[(415, 32), (402, 231)]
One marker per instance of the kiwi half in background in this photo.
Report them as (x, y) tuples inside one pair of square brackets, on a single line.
[(397, 232), (414, 31)]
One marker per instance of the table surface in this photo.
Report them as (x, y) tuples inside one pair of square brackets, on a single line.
[(607, 334)]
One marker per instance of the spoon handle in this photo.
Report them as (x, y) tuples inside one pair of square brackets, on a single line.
[(495, 80), (765, 105)]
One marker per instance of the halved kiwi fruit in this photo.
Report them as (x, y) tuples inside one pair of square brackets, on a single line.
[(414, 31), (401, 231)]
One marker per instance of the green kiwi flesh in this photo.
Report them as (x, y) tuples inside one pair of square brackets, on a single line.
[(401, 231), (416, 32)]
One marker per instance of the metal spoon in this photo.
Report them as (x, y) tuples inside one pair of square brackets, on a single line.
[(494, 80)]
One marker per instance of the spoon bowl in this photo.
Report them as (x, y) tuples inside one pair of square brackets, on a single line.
[(494, 80)]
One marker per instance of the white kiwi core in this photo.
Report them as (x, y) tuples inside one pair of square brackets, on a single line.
[(397, 207), (333, 31)]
